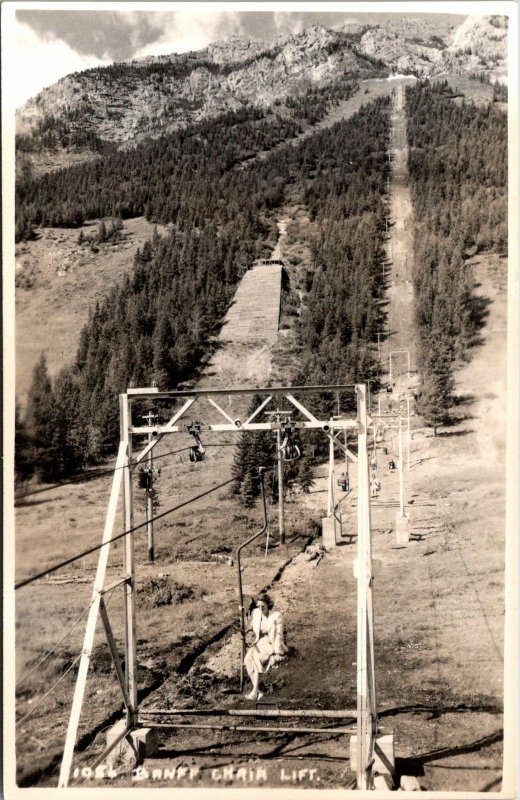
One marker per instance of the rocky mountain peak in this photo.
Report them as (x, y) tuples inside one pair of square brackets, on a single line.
[(235, 49), (127, 102)]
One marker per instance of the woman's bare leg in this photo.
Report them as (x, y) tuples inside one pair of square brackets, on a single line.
[(255, 680)]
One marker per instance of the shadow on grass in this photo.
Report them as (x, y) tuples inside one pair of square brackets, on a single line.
[(415, 764), (444, 434), (463, 399), (279, 749)]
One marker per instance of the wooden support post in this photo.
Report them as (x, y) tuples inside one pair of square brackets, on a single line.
[(327, 431), (408, 438), (150, 418), (401, 476), (365, 662), (88, 641), (149, 513), (129, 568), (281, 524), (113, 650), (155, 440), (330, 498)]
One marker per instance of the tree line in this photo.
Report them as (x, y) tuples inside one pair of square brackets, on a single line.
[(139, 180), (156, 325), (458, 178)]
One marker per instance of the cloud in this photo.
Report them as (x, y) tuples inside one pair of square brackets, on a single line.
[(105, 34), (190, 30), (41, 61), (294, 22)]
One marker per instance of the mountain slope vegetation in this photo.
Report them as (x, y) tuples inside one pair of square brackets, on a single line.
[(458, 176), (157, 177), (156, 326)]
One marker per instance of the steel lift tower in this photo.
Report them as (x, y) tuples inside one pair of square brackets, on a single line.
[(364, 747)]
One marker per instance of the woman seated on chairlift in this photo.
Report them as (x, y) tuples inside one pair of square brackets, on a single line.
[(269, 646)]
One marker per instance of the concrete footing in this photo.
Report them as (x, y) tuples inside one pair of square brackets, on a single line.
[(137, 745), (145, 741), (402, 529), (384, 757), (328, 532), (383, 783), (409, 783)]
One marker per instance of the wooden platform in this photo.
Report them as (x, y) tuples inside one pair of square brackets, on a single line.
[(255, 312)]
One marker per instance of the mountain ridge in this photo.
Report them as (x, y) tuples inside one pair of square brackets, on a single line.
[(129, 101)]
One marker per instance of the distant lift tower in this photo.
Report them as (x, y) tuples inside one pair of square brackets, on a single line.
[(367, 744)]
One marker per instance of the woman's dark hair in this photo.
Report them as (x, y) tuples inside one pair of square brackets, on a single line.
[(263, 597)]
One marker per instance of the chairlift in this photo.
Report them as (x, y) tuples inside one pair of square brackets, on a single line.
[(290, 450), (145, 479), (344, 483), (146, 476), (197, 451), (196, 455)]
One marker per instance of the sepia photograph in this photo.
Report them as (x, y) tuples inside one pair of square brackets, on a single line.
[(260, 348)]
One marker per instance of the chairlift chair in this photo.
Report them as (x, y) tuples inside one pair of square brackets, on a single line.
[(290, 451), (197, 451)]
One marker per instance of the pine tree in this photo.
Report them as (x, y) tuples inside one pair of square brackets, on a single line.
[(101, 235), (433, 402), (23, 464), (41, 423), (252, 450), (305, 476), (72, 437)]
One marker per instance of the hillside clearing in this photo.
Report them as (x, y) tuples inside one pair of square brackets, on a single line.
[(63, 281)]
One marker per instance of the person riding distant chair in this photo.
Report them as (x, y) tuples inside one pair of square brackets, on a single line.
[(269, 646), (375, 486)]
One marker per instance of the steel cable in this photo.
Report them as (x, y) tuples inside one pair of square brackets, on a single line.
[(144, 524), (62, 676), (47, 693), (95, 474), (45, 657)]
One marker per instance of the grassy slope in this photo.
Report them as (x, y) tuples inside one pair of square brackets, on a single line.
[(67, 280)]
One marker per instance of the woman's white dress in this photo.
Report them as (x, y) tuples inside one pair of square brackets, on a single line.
[(269, 642)]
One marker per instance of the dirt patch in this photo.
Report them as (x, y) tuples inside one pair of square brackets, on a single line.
[(163, 591)]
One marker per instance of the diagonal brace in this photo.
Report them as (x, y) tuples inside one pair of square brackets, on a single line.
[(351, 456), (144, 452), (113, 650)]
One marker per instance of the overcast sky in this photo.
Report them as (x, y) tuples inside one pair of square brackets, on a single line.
[(52, 43)]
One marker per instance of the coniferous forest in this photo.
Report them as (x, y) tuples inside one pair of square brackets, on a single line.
[(220, 205), (156, 325), (458, 178)]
